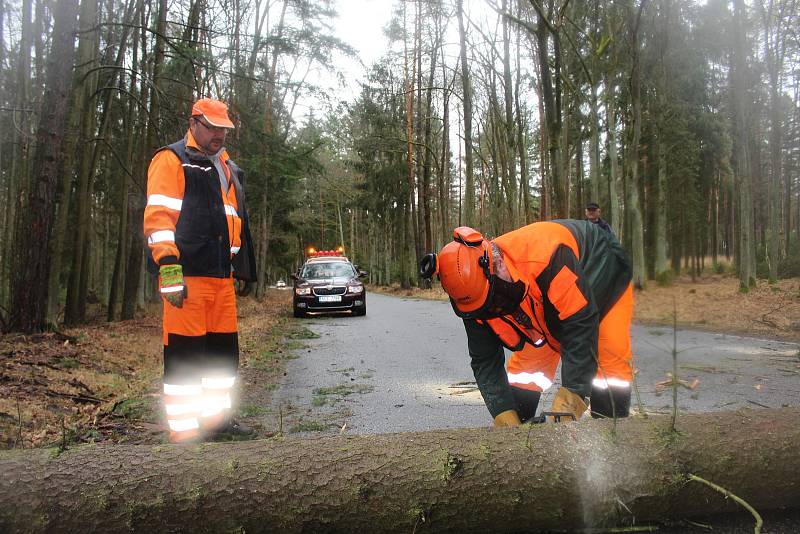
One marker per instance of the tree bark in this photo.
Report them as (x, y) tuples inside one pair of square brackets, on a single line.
[(562, 476)]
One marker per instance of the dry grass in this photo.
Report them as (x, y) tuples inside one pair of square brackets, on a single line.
[(715, 303), (712, 302), (102, 382)]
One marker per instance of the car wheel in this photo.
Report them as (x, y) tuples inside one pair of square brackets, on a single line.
[(299, 313), (360, 310)]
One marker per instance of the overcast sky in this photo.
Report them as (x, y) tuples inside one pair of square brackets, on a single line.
[(361, 24)]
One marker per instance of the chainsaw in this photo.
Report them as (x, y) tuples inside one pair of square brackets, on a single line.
[(556, 417)]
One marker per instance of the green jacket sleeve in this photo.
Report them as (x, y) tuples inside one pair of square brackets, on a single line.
[(488, 365), (572, 318)]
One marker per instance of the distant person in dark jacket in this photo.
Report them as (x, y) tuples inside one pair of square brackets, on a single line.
[(593, 215)]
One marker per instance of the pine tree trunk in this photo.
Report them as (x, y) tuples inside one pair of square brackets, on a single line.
[(22, 156), (563, 476), (661, 211), (661, 142), (32, 264), (408, 241), (741, 152), (773, 51), (469, 179), (614, 176), (86, 110), (524, 188), (551, 102), (633, 206), (138, 249), (444, 183), (510, 137)]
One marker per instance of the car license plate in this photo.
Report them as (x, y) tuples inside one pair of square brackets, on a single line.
[(330, 298)]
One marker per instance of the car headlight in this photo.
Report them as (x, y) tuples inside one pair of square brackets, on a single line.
[(355, 289), (302, 291)]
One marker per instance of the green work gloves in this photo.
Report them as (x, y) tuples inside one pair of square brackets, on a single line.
[(172, 287)]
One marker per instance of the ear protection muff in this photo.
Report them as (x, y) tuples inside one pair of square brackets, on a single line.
[(485, 263), (428, 266)]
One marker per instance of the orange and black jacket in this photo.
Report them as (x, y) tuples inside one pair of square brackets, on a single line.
[(189, 220), (574, 272)]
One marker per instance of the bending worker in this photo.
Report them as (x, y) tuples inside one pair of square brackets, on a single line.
[(550, 290), (197, 230)]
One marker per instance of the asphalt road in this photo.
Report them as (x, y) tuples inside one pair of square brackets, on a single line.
[(404, 367)]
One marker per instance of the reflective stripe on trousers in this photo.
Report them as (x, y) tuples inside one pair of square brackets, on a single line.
[(201, 356), (534, 369)]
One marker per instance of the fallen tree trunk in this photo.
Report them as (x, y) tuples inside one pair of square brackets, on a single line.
[(561, 476)]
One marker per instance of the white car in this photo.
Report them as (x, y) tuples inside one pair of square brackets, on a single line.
[(280, 284)]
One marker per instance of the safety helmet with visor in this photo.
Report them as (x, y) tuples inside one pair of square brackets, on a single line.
[(466, 269)]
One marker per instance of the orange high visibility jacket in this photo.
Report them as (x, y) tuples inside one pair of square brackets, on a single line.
[(573, 272), (189, 218)]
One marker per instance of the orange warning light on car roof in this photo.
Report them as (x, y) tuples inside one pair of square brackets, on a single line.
[(314, 253)]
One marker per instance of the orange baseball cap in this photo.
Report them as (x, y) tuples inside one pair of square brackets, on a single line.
[(214, 111)]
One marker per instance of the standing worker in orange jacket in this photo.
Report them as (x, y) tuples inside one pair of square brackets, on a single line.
[(547, 291), (197, 230)]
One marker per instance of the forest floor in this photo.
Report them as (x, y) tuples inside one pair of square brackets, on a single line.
[(101, 382)]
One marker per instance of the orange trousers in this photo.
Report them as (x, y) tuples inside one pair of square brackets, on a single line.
[(534, 369), (201, 357)]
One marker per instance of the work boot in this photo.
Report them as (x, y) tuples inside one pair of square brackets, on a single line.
[(610, 402), (233, 431), (526, 401)]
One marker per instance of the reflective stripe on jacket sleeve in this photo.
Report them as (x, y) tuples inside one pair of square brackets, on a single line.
[(165, 189), (572, 317)]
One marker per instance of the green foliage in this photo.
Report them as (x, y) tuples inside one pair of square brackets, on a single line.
[(344, 389), (308, 426), (301, 332), (331, 395)]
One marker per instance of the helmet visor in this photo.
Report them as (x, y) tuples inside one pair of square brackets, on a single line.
[(503, 298)]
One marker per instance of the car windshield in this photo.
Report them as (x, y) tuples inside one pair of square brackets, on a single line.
[(327, 270)]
